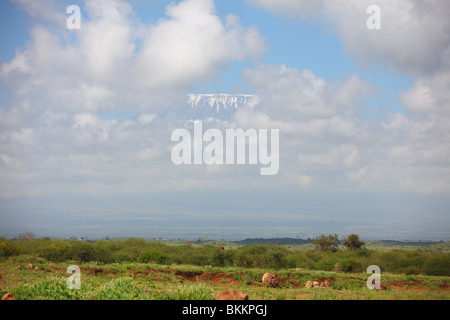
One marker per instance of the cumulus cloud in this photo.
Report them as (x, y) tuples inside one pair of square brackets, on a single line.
[(286, 92), (103, 69), (414, 40), (206, 43), (53, 133), (324, 138), (414, 36), (429, 94), (54, 140)]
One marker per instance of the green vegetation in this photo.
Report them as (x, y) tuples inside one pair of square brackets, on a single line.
[(327, 243), (143, 281), (274, 257), (140, 269), (352, 242)]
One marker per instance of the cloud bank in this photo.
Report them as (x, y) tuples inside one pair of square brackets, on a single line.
[(56, 139)]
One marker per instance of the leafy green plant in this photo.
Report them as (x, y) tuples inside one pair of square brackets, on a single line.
[(196, 291), (438, 265), (350, 265), (7, 249), (154, 256)]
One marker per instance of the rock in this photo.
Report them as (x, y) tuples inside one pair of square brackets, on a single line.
[(270, 280), (315, 284), (232, 295)]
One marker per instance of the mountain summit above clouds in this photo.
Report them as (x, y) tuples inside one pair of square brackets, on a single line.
[(220, 106)]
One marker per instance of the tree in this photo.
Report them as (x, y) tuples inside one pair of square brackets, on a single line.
[(352, 242), (327, 243), (26, 236)]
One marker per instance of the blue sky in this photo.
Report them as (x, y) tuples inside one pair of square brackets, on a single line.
[(362, 116)]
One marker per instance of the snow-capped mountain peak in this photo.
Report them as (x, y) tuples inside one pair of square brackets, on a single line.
[(220, 106)]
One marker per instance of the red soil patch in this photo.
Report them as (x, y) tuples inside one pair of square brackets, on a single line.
[(203, 277), (330, 280)]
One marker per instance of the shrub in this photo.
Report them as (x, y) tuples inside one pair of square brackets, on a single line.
[(58, 252), (438, 266), (410, 270), (154, 256), (350, 265), (197, 259), (363, 252), (276, 260), (7, 249), (83, 252), (244, 261), (326, 264), (221, 259)]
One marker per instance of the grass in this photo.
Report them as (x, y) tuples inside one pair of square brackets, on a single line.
[(139, 281)]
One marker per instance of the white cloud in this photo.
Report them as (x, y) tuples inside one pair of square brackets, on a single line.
[(414, 35), (429, 94), (323, 137), (414, 39), (206, 43), (24, 136), (101, 67), (146, 118), (284, 93), (56, 142)]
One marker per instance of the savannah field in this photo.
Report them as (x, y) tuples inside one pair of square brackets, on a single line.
[(139, 269)]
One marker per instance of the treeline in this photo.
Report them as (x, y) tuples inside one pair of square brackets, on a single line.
[(280, 241), (250, 256)]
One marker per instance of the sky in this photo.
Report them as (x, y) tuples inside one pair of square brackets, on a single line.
[(86, 117)]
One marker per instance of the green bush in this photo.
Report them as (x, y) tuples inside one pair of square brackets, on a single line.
[(243, 261), (154, 256), (364, 252), (410, 270), (53, 254), (83, 252), (326, 264), (275, 260), (350, 265), (438, 266), (58, 251), (221, 259), (7, 249)]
